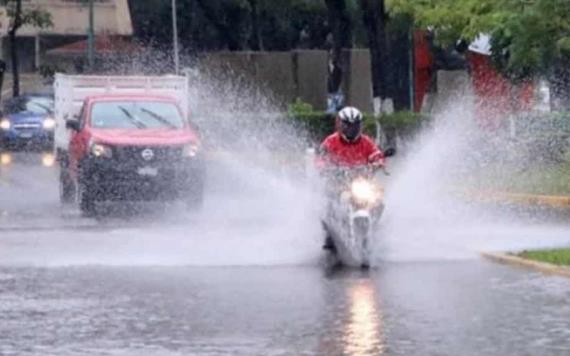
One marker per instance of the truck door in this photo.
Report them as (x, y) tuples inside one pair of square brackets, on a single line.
[(78, 144)]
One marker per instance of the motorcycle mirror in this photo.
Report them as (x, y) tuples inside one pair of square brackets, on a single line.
[(390, 152)]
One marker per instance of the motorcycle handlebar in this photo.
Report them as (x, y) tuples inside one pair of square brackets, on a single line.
[(369, 168)]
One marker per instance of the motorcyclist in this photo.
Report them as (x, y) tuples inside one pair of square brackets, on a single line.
[(348, 146)]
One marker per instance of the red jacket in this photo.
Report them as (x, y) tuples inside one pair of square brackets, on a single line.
[(336, 151)]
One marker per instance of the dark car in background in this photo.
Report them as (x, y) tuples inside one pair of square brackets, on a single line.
[(27, 123)]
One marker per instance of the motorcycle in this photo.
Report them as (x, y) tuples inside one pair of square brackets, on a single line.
[(355, 203), (354, 209)]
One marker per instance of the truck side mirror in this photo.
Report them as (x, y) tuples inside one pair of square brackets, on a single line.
[(72, 124), (194, 127)]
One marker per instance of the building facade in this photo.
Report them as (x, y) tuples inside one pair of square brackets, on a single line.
[(70, 24)]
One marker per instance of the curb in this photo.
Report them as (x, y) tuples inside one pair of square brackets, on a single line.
[(508, 259), (552, 201)]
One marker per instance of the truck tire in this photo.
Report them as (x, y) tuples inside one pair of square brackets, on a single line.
[(86, 201), (194, 193), (66, 188), (85, 196)]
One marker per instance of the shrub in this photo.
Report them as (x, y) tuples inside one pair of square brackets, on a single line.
[(319, 124)]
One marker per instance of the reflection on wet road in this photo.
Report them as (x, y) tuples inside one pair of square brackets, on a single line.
[(247, 280), (467, 308), (27, 187)]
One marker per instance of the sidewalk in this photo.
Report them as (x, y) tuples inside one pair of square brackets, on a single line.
[(513, 260), (526, 200), (489, 196)]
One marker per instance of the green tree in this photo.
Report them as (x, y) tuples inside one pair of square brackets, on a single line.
[(341, 26), (255, 40), (374, 18), (529, 37), (230, 18), (19, 17), (232, 24)]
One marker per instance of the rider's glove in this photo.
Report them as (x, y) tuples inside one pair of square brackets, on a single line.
[(378, 165)]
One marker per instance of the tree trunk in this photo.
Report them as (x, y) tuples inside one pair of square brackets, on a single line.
[(14, 48), (256, 42), (560, 86), (2, 74), (341, 28), (374, 19)]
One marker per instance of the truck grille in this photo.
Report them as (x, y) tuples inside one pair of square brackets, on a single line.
[(26, 126), (141, 154)]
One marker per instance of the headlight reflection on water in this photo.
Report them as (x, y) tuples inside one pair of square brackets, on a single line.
[(47, 159), (363, 334), (5, 159)]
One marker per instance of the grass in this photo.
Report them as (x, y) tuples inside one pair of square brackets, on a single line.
[(540, 179), (559, 257)]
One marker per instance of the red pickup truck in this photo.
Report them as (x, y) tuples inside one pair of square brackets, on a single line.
[(125, 147)]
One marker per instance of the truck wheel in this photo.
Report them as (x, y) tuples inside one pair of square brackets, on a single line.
[(86, 201), (66, 188), (194, 195)]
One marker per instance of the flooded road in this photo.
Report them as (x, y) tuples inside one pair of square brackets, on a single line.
[(245, 278)]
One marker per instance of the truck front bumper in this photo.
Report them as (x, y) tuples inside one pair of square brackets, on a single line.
[(108, 180)]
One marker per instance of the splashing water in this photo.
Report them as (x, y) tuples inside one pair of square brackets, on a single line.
[(425, 220), (258, 209)]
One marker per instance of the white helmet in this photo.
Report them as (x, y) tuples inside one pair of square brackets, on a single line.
[(350, 123)]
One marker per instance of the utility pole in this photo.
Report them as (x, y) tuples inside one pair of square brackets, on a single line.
[(91, 37), (175, 38)]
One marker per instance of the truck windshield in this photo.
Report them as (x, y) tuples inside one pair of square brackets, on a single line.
[(136, 115)]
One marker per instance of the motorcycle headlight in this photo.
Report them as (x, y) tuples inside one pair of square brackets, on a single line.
[(99, 150), (5, 124), (190, 150), (49, 124), (364, 191)]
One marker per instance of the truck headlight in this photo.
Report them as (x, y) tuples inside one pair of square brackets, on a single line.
[(99, 150), (190, 150), (5, 124), (48, 159), (49, 124)]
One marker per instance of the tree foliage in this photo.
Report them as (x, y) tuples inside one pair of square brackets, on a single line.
[(22, 16), (374, 19), (283, 25), (233, 24), (528, 36), (32, 16)]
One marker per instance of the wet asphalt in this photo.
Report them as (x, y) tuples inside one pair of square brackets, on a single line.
[(247, 277)]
